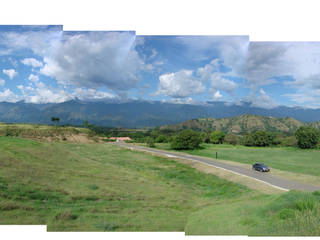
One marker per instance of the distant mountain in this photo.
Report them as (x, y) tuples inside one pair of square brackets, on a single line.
[(136, 114), (242, 124)]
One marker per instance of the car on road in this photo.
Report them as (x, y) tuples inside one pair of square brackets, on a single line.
[(260, 167)]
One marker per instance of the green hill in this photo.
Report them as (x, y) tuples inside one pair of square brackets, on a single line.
[(242, 124)]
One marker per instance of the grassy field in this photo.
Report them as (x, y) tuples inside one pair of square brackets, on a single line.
[(100, 187), (289, 214), (283, 158)]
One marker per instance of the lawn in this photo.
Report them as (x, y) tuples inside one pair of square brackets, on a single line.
[(101, 187), (283, 158), (289, 214)]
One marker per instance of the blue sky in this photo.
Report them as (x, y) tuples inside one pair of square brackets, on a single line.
[(44, 64)]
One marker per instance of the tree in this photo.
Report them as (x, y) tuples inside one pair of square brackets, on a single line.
[(161, 139), (55, 119), (85, 124), (150, 142), (259, 139), (217, 137), (187, 139), (231, 139), (307, 137)]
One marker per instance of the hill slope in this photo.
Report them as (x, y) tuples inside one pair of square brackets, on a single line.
[(242, 124)]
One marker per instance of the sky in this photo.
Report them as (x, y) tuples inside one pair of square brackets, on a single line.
[(44, 64)]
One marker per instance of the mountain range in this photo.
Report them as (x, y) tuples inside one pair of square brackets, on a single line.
[(242, 124), (138, 114)]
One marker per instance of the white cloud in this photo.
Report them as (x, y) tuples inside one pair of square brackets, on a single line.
[(187, 100), (11, 73), (217, 96), (32, 62), (2, 82), (263, 100), (231, 50), (33, 78), (220, 82), (96, 59), (42, 94), (180, 84), (91, 94), (153, 54), (8, 96), (300, 60), (42, 42), (210, 68)]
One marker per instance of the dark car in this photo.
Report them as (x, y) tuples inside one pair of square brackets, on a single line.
[(260, 167)]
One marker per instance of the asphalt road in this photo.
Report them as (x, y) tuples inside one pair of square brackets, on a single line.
[(267, 178)]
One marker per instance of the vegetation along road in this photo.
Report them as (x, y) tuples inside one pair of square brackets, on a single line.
[(267, 178)]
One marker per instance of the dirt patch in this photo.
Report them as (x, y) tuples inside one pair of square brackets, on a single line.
[(72, 138)]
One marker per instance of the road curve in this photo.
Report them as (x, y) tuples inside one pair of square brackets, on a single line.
[(267, 178)]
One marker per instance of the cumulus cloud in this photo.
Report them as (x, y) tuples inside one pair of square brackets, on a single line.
[(43, 94), (11, 73), (299, 60), (8, 96), (220, 82), (217, 96), (206, 72), (263, 100), (180, 84), (2, 82), (33, 78), (91, 94), (96, 59), (42, 42), (32, 62), (231, 50)]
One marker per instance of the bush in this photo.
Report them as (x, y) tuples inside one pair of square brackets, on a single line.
[(217, 137), (286, 213), (161, 139), (289, 141), (231, 139), (187, 139), (259, 139), (150, 142), (307, 137)]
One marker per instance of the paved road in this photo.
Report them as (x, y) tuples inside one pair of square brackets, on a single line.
[(267, 178)]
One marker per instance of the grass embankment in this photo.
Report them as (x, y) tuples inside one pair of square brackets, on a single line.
[(47, 132), (283, 158), (100, 187), (289, 214)]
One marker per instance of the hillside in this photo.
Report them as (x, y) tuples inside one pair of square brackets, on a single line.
[(100, 187), (242, 124), (139, 114)]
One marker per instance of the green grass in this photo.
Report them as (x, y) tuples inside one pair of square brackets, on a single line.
[(283, 158), (100, 187), (289, 214), (36, 131)]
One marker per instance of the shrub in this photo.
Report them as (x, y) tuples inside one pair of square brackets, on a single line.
[(217, 137), (231, 139), (289, 141), (307, 137), (286, 213), (161, 139), (150, 142), (187, 139), (259, 139)]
